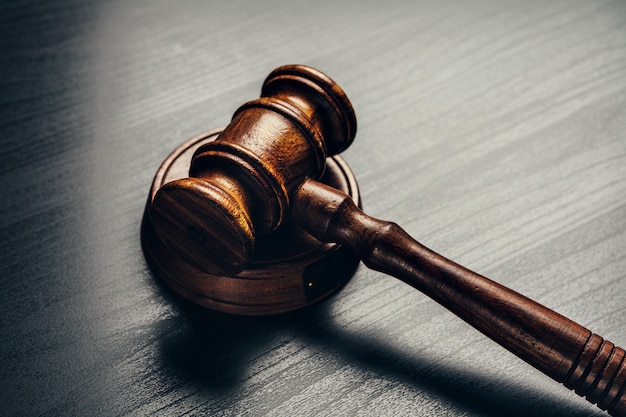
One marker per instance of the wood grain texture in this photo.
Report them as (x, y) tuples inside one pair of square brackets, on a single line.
[(557, 346), (492, 131)]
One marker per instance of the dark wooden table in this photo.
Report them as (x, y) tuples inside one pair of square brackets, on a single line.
[(494, 132)]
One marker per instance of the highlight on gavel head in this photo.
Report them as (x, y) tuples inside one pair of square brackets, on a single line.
[(216, 227)]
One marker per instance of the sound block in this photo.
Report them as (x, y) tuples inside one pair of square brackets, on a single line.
[(289, 270)]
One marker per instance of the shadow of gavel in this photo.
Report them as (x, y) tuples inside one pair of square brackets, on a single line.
[(273, 171)]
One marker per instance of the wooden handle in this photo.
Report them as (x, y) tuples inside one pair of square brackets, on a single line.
[(552, 343)]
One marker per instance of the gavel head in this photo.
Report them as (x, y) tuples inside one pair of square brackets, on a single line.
[(240, 185)]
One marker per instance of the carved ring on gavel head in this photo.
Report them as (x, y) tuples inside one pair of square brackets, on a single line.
[(263, 218), (240, 185)]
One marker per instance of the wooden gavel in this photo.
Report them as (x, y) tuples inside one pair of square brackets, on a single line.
[(269, 181)]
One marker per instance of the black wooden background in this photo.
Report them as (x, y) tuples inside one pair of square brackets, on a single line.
[(492, 131)]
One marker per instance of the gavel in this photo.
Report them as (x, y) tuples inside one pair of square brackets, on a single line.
[(268, 220)]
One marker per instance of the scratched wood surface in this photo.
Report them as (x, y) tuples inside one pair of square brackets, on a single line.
[(492, 131)]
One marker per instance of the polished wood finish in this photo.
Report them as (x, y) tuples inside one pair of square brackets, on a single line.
[(259, 143), (554, 344), (240, 184), (288, 270), (492, 130)]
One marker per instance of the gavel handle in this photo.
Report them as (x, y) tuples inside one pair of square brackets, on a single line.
[(562, 349)]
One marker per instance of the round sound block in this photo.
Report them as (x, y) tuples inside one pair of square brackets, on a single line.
[(290, 269)]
